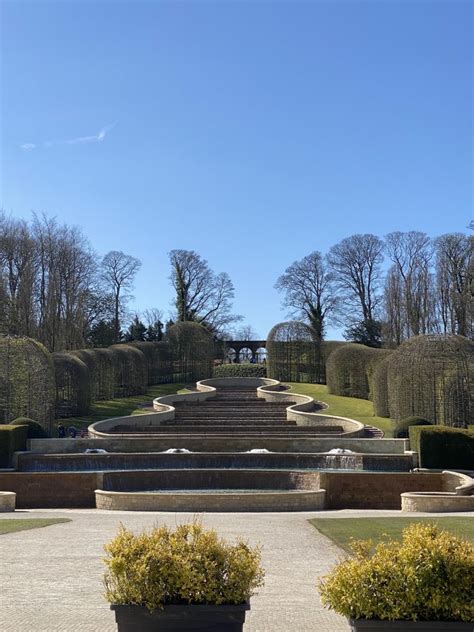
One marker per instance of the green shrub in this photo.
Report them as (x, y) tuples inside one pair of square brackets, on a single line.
[(429, 576), (12, 439), (35, 430), (187, 566), (240, 370), (402, 426), (440, 447)]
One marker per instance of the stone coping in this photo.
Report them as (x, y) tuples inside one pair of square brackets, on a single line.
[(7, 501), (209, 442), (458, 483), (271, 390)]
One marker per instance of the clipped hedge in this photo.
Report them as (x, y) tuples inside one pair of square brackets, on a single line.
[(379, 387), (293, 353), (193, 351), (35, 430), (159, 359), (12, 439), (130, 371), (350, 370), (240, 370), (100, 363), (26, 380), (431, 376), (73, 385), (403, 426), (444, 448)]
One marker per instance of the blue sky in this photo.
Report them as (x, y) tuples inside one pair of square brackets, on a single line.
[(251, 132)]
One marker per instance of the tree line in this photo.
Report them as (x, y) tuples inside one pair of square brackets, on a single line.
[(56, 289), (427, 288)]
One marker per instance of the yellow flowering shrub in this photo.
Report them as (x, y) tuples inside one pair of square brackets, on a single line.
[(189, 565), (429, 576)]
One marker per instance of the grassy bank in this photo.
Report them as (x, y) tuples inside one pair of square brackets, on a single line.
[(9, 525), (342, 530), (358, 409), (120, 407)]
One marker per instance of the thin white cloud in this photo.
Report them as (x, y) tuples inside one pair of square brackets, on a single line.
[(97, 138), (80, 140)]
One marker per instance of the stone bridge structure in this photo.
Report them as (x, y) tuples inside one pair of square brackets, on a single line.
[(239, 346)]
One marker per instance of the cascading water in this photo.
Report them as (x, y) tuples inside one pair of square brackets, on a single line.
[(341, 459), (258, 451), (177, 451)]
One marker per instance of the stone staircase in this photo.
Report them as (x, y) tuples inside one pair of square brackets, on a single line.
[(232, 406)]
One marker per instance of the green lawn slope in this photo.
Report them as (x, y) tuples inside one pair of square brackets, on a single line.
[(358, 409)]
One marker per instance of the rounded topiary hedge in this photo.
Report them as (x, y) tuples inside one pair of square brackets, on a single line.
[(402, 427), (431, 376), (293, 353), (240, 370), (159, 359), (192, 347), (100, 363), (130, 370), (379, 387), (350, 369), (35, 430), (27, 387), (73, 385)]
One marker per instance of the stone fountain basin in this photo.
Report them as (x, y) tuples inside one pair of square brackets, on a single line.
[(210, 490)]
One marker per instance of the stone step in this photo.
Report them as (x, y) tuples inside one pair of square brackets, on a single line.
[(281, 431)]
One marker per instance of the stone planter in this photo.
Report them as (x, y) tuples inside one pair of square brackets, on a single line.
[(7, 501), (372, 625), (206, 618)]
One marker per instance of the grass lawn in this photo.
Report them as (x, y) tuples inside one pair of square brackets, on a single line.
[(359, 409), (120, 407), (22, 524), (341, 530)]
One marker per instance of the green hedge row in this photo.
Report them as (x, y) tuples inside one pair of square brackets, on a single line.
[(443, 448), (240, 370), (403, 426), (12, 439)]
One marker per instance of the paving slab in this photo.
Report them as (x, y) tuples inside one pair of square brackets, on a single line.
[(50, 578)]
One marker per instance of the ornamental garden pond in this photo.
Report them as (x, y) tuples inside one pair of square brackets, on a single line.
[(147, 430)]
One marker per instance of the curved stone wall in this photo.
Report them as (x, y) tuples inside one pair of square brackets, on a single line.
[(436, 502), (457, 495), (303, 412)]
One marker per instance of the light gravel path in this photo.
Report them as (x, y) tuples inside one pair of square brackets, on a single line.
[(50, 578)]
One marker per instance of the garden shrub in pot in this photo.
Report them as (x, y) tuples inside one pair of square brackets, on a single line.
[(425, 582), (188, 578)]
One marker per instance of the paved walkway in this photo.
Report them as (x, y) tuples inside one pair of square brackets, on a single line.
[(50, 578)]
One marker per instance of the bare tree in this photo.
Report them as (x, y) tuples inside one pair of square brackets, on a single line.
[(355, 262), (118, 272), (17, 261), (394, 328), (309, 292), (245, 332), (411, 254), (454, 282), (201, 295)]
